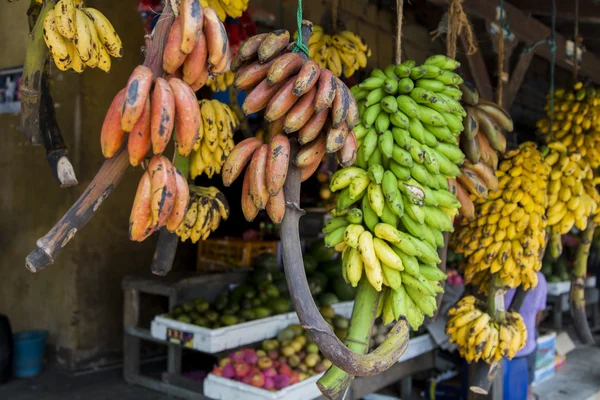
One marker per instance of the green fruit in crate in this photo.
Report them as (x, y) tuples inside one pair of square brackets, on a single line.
[(328, 299), (342, 290), (319, 252), (247, 314), (267, 261), (272, 291), (211, 315), (228, 320), (310, 263), (262, 312), (327, 312), (279, 305), (184, 318)]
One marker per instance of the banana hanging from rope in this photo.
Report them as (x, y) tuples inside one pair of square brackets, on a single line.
[(220, 83)]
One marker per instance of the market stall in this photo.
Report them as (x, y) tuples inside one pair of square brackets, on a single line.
[(334, 216)]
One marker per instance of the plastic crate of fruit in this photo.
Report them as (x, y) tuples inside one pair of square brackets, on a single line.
[(216, 387), (222, 254), (216, 340)]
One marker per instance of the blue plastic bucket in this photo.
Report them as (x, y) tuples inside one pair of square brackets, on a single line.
[(28, 353)]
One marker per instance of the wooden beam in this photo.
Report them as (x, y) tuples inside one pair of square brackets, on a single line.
[(530, 30), (516, 79), (481, 78), (589, 12)]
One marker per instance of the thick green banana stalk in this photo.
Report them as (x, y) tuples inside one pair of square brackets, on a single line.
[(576, 297), (335, 381)]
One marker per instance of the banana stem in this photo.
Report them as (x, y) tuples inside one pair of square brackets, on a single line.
[(335, 381), (109, 175), (577, 294), (332, 348), (30, 87)]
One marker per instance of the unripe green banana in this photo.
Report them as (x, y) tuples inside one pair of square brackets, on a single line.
[(393, 277), (375, 96), (431, 84), (407, 105), (343, 201), (378, 73), (452, 92), (413, 190), (389, 104), (389, 72), (431, 163), (416, 151), (410, 263), (382, 123), (402, 71), (335, 237), (391, 85), (449, 78), (427, 253), (453, 153), (438, 219), (405, 85), (354, 216), (402, 157), (372, 83), (443, 133), (399, 119), (447, 167), (417, 73), (376, 173), (446, 199), (388, 216), (386, 144), (416, 129), (431, 71), (343, 177), (334, 223), (415, 212), (369, 144), (370, 114), (402, 173), (442, 182), (426, 304), (428, 98), (431, 272), (369, 216), (360, 131), (401, 137), (376, 158), (417, 284), (422, 175), (453, 122), (414, 315), (443, 62)]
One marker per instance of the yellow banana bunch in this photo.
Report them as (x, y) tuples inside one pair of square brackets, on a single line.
[(570, 203), (219, 123), (220, 83), (79, 37), (203, 216), (482, 338), (224, 8), (394, 199), (342, 53), (576, 121), (509, 226)]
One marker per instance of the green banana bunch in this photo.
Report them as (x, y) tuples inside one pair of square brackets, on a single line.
[(394, 203)]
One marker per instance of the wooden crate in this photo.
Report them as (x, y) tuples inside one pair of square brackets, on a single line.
[(224, 254)]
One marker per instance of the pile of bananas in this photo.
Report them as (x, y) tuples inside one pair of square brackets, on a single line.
[(343, 53), (220, 83), (569, 203), (203, 216), (161, 199), (508, 231), (219, 123), (79, 37), (479, 337), (576, 121), (297, 96), (408, 147), (482, 137), (224, 8), (197, 46)]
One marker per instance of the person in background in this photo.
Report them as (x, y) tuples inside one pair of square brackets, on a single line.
[(532, 313)]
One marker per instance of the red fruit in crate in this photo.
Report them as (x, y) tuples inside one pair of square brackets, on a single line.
[(269, 383), (269, 372), (250, 356), (238, 356), (254, 371), (294, 378), (275, 364), (257, 380), (264, 362), (281, 381), (228, 371), (217, 371), (223, 362), (273, 354), (285, 369), (241, 369), (247, 379)]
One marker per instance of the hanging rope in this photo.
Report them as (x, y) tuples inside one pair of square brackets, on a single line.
[(300, 46), (552, 67), (500, 84), (576, 42), (399, 17), (457, 20)]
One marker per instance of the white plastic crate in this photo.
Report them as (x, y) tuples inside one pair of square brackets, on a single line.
[(417, 346), (219, 388), (216, 340), (559, 288), (590, 281)]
